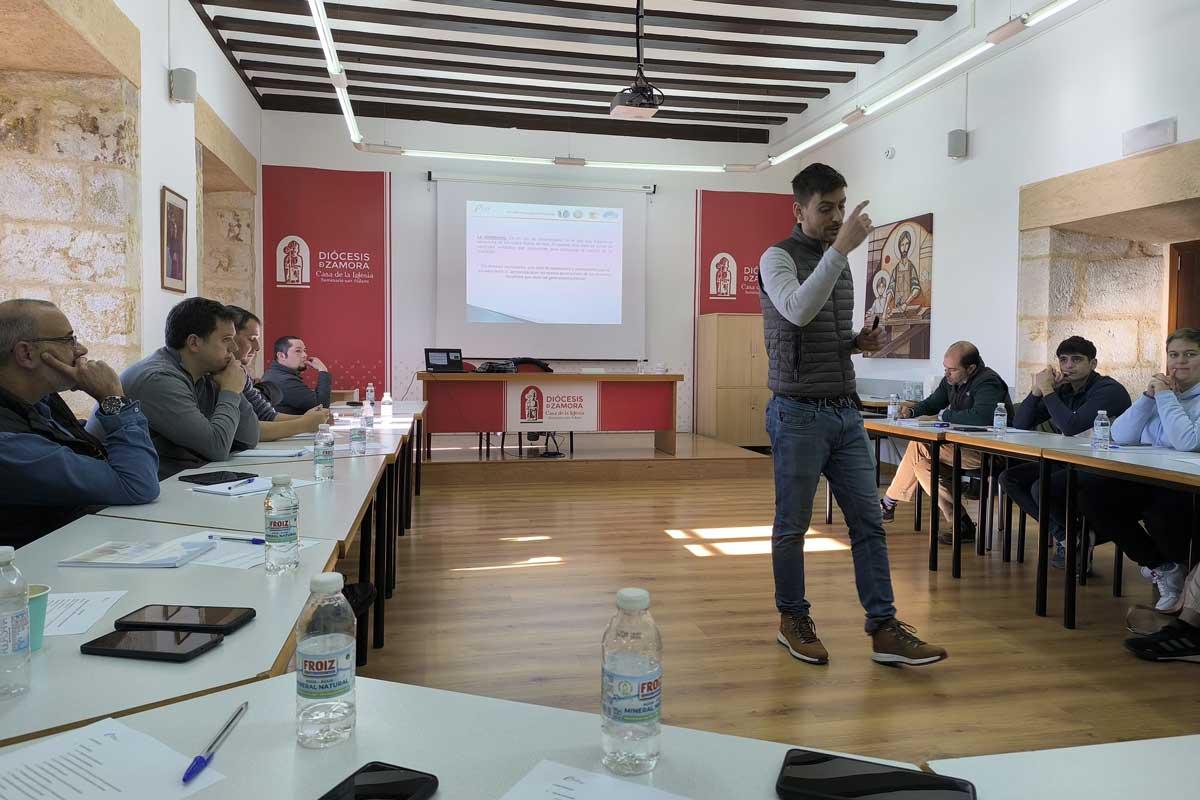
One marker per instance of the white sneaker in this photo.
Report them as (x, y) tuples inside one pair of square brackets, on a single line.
[(1169, 579)]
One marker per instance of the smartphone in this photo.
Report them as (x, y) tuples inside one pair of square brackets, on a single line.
[(379, 781), (971, 428), (199, 619), (820, 776), (354, 403), (152, 645), (875, 324), (213, 478)]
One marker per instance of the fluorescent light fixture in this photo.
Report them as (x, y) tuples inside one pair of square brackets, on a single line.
[(929, 77), (1047, 11), (657, 167), (348, 112), (476, 157), (324, 34), (569, 161), (807, 143)]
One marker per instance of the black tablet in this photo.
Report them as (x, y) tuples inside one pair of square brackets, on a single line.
[(198, 619), (808, 775), (152, 645), (213, 478)]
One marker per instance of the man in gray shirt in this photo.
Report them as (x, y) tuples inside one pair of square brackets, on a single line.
[(191, 390), (813, 419)]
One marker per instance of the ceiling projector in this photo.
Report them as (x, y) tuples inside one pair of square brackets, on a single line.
[(636, 102)]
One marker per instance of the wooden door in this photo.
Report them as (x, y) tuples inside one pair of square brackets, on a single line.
[(1184, 306)]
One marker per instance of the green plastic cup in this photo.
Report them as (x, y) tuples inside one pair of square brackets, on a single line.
[(39, 595)]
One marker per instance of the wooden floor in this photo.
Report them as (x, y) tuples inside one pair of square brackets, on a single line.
[(505, 591)]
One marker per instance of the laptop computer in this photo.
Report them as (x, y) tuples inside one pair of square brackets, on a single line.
[(443, 359)]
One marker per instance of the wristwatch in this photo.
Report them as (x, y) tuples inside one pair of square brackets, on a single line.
[(114, 404)]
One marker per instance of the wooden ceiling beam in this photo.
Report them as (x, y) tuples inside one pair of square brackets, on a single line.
[(565, 76), (567, 93), (612, 15), (541, 122), (562, 33), (897, 9), (531, 104), (470, 50)]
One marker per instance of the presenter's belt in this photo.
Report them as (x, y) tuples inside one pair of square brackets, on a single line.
[(844, 401)]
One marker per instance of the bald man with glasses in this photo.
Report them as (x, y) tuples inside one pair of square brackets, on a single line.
[(52, 471)]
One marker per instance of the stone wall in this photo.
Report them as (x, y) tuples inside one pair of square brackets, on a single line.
[(227, 264), (1110, 291), (70, 204)]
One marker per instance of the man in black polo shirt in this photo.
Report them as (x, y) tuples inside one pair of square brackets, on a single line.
[(1069, 400), (815, 428)]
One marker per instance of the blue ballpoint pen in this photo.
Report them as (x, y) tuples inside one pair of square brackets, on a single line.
[(203, 760), (243, 539)]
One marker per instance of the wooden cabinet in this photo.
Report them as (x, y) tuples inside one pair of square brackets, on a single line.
[(731, 379)]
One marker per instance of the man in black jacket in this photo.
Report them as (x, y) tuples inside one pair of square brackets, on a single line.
[(1069, 399), (967, 395), (291, 358)]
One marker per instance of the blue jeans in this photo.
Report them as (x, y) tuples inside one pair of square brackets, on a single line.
[(807, 442)]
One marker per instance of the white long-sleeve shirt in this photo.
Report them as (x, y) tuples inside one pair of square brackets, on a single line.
[(1165, 420), (799, 302)]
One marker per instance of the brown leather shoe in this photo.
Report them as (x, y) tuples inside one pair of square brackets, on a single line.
[(799, 635), (896, 642)]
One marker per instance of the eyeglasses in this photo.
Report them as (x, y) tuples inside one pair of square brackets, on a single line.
[(70, 339)]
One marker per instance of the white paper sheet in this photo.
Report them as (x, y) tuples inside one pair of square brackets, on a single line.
[(550, 780), (291, 452), (73, 613), (236, 555), (247, 488), (103, 760)]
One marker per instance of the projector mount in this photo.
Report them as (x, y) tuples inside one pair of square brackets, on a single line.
[(642, 98)]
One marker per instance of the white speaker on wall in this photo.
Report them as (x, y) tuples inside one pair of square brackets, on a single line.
[(181, 84), (957, 144)]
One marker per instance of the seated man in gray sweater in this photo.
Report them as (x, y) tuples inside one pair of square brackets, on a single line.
[(290, 359), (191, 390)]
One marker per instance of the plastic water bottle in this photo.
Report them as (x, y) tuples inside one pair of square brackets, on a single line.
[(1000, 419), (385, 405), (325, 657), (282, 529), (893, 407), (631, 686), (14, 627), (642, 368), (1102, 432), (368, 418), (323, 448), (358, 437), (370, 394)]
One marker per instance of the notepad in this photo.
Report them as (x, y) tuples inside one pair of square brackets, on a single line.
[(139, 555), (240, 488), (550, 779)]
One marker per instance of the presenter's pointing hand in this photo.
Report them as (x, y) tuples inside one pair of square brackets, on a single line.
[(854, 230)]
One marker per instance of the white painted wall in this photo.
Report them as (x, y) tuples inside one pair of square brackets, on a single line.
[(1057, 103), (172, 36)]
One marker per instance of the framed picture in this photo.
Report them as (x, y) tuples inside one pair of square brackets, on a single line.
[(900, 286), (174, 212)]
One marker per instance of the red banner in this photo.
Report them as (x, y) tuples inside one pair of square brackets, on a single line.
[(326, 269), (732, 231)]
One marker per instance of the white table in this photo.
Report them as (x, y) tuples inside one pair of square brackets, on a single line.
[(1120, 771), (329, 510), (478, 747), (69, 688)]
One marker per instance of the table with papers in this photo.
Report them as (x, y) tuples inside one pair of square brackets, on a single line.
[(478, 747), (69, 688)]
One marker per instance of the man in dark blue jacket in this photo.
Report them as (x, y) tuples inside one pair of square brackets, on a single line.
[(291, 358), (52, 471), (1069, 400)]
